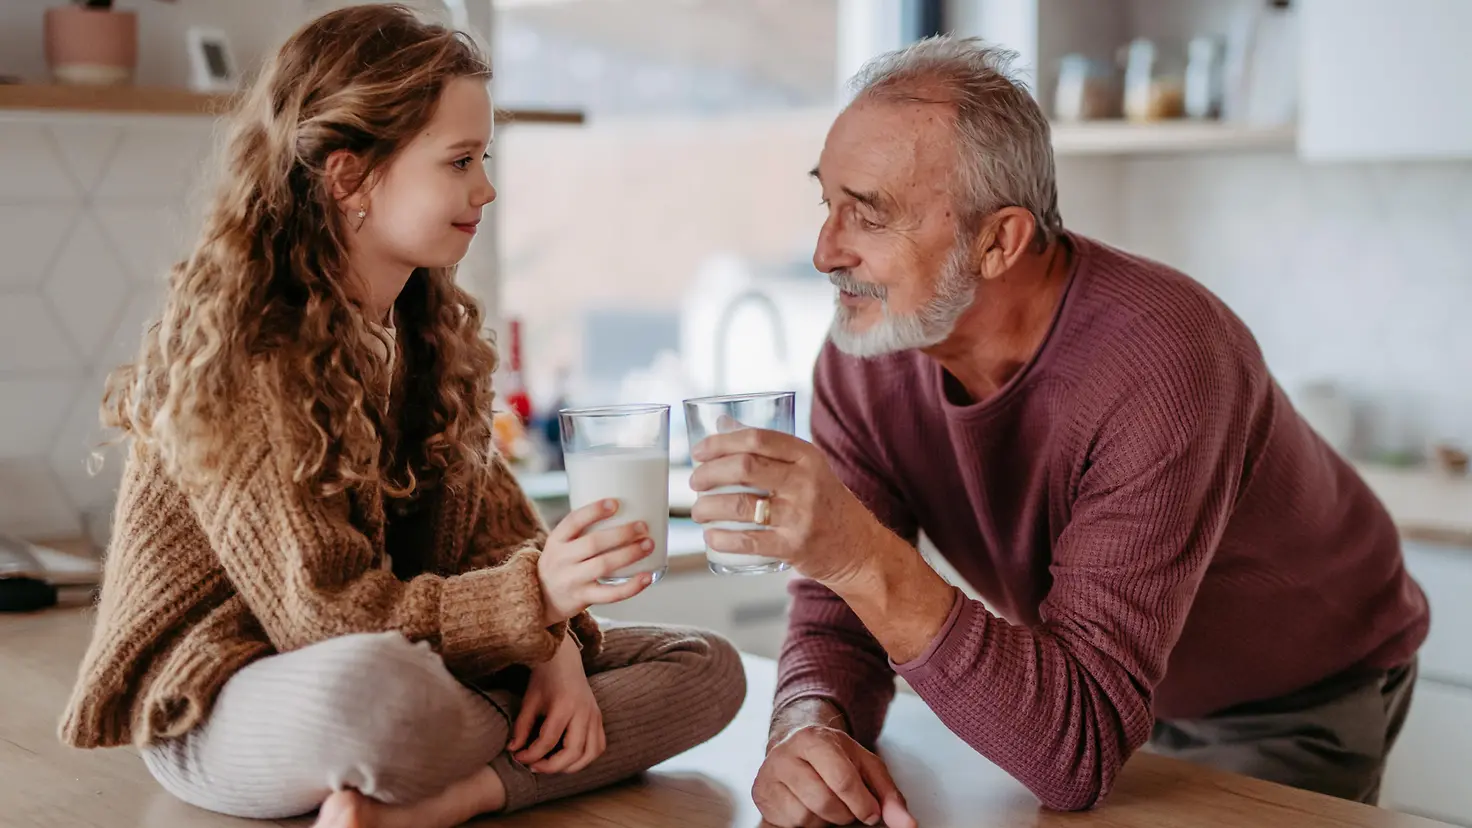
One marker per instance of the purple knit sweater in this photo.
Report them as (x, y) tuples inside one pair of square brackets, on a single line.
[(1153, 528)]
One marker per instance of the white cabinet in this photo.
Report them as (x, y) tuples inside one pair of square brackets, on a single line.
[(1374, 80), (1385, 80), (1430, 770), (1445, 574), (750, 610)]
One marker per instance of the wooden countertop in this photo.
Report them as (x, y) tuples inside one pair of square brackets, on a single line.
[(948, 784), (44, 783)]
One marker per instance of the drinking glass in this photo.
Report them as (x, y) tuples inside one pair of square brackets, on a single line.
[(623, 453), (714, 415)]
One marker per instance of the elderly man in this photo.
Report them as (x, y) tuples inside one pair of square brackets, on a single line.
[(1166, 551)]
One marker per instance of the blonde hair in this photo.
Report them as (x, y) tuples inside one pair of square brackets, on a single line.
[(263, 304)]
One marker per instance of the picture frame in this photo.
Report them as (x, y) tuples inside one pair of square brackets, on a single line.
[(212, 66)]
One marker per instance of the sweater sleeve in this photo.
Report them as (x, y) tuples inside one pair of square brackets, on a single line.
[(509, 523), (308, 574), (1061, 706), (828, 652)]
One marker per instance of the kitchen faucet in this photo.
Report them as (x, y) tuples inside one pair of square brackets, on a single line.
[(723, 326)]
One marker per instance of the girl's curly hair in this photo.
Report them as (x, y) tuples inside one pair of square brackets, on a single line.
[(263, 304)]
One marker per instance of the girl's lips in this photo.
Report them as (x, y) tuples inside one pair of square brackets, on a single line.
[(467, 228)]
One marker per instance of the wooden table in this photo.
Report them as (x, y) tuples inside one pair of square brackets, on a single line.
[(43, 784)]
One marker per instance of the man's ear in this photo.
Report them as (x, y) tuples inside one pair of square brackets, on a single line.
[(1005, 235), (344, 171)]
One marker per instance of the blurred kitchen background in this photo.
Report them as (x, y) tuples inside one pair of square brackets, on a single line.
[(1306, 160)]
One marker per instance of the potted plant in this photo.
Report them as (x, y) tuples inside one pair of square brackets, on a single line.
[(88, 42)]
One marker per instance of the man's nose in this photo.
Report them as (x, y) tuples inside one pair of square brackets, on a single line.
[(828, 255)]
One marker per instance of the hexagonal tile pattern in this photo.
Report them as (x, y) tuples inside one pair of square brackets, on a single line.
[(31, 339), (90, 487), (87, 287), (85, 148), (31, 236), (149, 239), (32, 502), (30, 168), (31, 411), (155, 164)]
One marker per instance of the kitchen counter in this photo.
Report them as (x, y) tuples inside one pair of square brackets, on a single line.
[(946, 783), (1426, 504)]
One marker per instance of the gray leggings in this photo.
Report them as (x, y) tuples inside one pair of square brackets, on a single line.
[(378, 714)]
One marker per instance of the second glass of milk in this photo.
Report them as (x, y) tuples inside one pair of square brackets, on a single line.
[(712, 415), (622, 452)]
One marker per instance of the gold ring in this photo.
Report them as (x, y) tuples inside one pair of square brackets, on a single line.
[(763, 515)]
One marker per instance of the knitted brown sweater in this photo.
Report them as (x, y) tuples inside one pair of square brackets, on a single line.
[(196, 587)]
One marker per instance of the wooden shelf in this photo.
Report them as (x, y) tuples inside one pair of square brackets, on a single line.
[(163, 100), (139, 100), (1167, 137)]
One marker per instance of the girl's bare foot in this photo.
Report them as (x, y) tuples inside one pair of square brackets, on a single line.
[(480, 793), (344, 809)]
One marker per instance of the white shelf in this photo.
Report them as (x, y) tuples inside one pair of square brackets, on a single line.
[(1167, 137)]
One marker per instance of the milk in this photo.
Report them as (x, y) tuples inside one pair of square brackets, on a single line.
[(639, 479), (732, 560)]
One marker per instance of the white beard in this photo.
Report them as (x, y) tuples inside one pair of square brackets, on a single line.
[(933, 324)]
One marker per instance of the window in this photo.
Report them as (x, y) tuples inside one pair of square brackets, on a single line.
[(621, 240)]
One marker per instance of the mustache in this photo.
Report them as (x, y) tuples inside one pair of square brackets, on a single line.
[(844, 281)]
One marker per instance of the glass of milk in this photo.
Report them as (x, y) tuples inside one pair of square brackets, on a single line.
[(714, 415), (622, 452)]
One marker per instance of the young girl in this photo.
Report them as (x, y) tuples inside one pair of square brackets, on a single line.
[(324, 588)]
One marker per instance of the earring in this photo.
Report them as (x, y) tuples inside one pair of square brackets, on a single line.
[(362, 213)]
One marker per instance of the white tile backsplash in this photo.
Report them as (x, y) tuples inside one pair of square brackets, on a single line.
[(1357, 274), (31, 340), (85, 147), (155, 163), (31, 236), (149, 239), (92, 213), (31, 413), (88, 287), (30, 168)]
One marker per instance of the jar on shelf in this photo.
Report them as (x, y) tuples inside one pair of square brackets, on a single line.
[(1087, 90), (1205, 76), (1154, 83)]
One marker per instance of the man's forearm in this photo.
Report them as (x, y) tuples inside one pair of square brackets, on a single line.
[(805, 712), (900, 598)]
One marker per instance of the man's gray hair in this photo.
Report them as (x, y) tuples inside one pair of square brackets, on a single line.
[(1002, 136)]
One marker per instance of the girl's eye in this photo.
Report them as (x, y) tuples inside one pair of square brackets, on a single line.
[(464, 163)]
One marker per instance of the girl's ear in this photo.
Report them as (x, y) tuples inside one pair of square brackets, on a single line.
[(344, 172)]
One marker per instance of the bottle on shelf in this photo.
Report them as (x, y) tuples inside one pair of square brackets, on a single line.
[(514, 392), (514, 405)]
